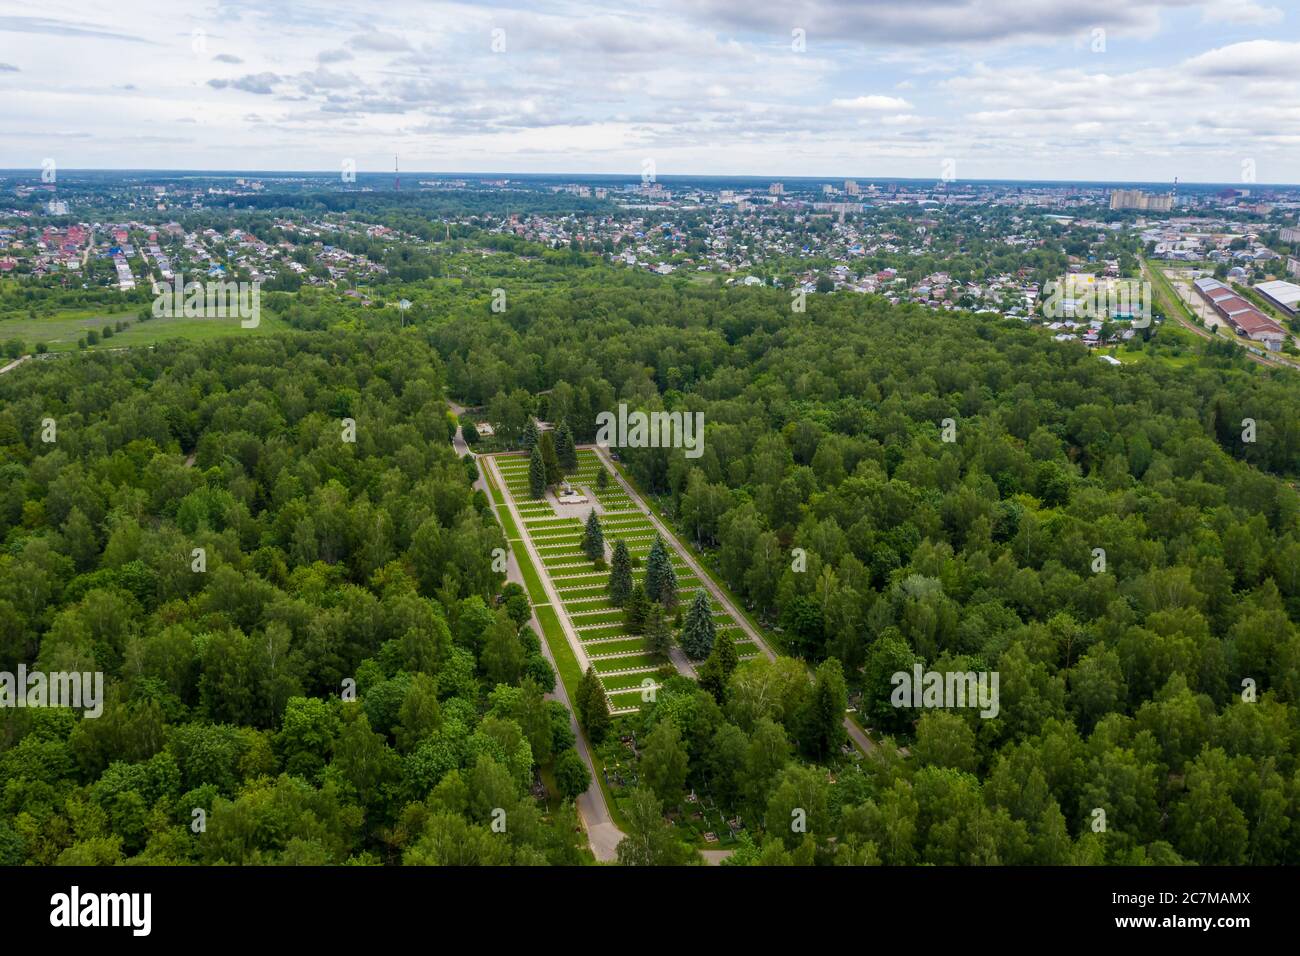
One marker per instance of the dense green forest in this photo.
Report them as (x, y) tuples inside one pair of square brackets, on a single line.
[(1118, 544), (1159, 685), (339, 681)]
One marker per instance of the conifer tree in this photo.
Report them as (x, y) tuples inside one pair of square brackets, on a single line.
[(698, 632), (659, 574), (658, 631), (620, 575), (638, 607), (547, 444), (593, 538), (593, 707), (566, 450), (537, 473), (717, 670), (530, 435), (667, 595), (822, 720)]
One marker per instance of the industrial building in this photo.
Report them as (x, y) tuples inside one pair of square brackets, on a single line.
[(1283, 295), (1241, 316)]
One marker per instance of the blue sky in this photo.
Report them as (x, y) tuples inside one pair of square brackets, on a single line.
[(1052, 89)]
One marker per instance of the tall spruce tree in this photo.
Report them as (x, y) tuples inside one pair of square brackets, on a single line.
[(638, 607), (537, 473), (547, 444), (566, 450), (660, 578), (530, 434), (593, 538), (667, 595), (698, 632), (620, 575), (658, 631)]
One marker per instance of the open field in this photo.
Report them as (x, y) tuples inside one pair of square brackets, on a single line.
[(61, 332)]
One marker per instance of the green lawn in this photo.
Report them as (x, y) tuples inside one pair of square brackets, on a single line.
[(61, 332), (532, 583), (570, 672), (492, 491), (629, 681), (631, 645), (584, 620), (507, 522)]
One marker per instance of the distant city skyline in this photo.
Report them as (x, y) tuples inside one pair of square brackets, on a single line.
[(411, 178), (1104, 91)]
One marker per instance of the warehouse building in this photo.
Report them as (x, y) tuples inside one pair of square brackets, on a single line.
[(1242, 317), (1283, 295)]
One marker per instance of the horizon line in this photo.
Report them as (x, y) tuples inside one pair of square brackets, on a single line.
[(632, 176)]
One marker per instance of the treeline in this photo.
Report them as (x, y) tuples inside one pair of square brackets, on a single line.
[(269, 549)]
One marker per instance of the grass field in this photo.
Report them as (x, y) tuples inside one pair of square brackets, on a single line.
[(61, 332)]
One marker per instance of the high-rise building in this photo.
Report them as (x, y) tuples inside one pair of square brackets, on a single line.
[(776, 189), (1137, 199), (851, 187)]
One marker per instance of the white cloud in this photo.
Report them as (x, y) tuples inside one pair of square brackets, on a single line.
[(1242, 12), (884, 88), (872, 103), (1254, 58)]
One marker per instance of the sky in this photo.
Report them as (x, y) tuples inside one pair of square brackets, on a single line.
[(1139, 90)]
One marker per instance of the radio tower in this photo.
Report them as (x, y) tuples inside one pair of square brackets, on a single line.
[(397, 180)]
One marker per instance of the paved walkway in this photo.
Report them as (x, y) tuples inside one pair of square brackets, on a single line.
[(603, 836), (461, 447), (14, 364)]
